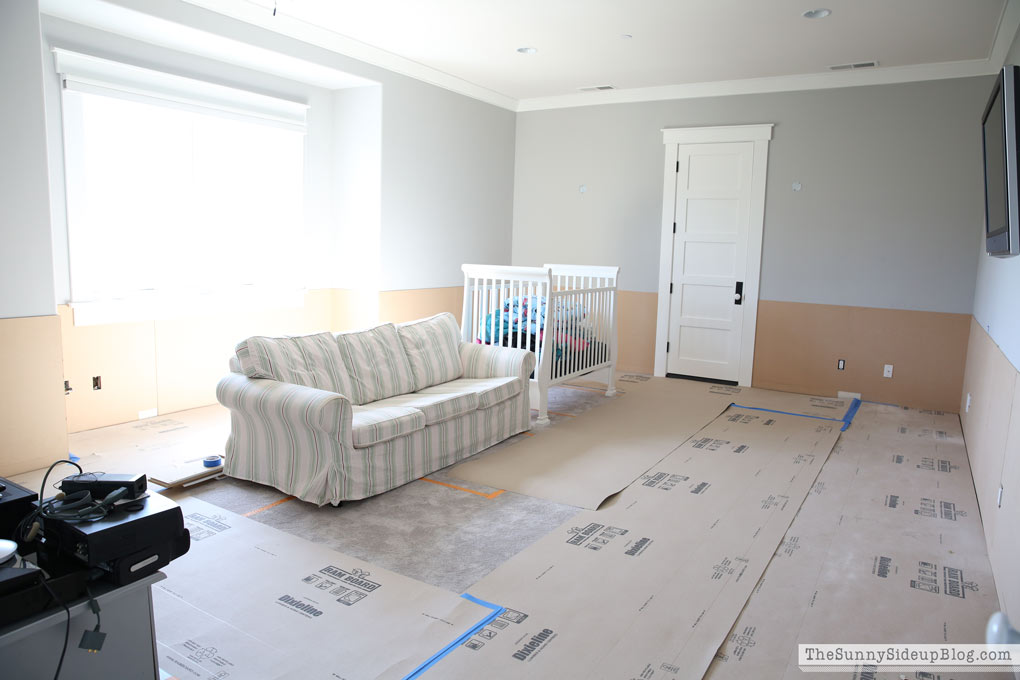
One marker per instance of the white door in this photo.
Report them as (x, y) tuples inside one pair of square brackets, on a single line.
[(714, 259)]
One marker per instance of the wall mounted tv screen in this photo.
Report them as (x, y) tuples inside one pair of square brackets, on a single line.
[(1002, 187)]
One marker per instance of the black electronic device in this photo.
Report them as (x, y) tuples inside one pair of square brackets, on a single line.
[(132, 541), (101, 484), (15, 502), (1000, 135)]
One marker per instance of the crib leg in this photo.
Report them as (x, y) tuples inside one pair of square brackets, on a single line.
[(543, 406), (611, 382)]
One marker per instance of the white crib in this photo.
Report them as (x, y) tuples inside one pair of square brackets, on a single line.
[(565, 313)]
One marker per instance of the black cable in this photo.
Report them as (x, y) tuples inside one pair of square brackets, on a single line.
[(78, 506), (67, 628)]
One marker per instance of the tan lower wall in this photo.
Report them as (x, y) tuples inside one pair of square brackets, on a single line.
[(991, 428), (635, 321), (168, 365), (32, 416), (407, 305), (797, 347)]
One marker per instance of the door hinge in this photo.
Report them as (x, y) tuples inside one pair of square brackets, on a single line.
[(678, 166), (674, 227), (670, 288), (667, 347)]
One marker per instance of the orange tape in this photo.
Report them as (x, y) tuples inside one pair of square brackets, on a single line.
[(271, 505), (490, 496)]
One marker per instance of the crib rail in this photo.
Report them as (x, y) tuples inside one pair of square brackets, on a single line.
[(566, 314), (486, 290)]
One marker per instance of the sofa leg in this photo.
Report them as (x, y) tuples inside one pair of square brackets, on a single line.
[(336, 504)]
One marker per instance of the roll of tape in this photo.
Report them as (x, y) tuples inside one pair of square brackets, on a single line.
[(213, 461)]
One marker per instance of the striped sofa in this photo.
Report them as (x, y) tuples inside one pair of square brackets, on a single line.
[(329, 418)]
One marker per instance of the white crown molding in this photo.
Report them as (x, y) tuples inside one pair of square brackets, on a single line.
[(808, 81), (84, 11), (138, 25), (349, 47)]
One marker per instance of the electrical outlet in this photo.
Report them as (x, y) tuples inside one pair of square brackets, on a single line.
[(841, 364), (966, 407), (97, 382), (887, 372)]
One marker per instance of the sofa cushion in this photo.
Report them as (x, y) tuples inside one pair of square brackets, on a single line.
[(435, 407), (490, 391), (376, 424), (309, 360), (376, 362), (433, 349)]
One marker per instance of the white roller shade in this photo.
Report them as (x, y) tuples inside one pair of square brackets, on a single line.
[(86, 73)]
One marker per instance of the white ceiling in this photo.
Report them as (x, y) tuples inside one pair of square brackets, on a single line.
[(678, 48)]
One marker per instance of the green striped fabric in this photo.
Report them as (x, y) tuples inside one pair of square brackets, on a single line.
[(489, 391), (285, 435), (309, 360), (378, 423), (305, 441), (376, 363), (432, 349), (491, 361), (436, 407)]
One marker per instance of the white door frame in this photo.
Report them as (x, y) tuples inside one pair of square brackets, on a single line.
[(671, 137)]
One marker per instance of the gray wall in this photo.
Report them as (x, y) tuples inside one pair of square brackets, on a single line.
[(26, 281), (891, 194), (996, 302)]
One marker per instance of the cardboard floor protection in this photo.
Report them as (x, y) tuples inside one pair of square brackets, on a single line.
[(249, 601), (887, 548), (585, 460), (649, 586)]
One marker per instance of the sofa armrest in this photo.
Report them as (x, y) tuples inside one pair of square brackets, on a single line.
[(327, 412), (493, 361)]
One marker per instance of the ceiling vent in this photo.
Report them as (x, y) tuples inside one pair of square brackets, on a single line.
[(855, 66), (596, 88)]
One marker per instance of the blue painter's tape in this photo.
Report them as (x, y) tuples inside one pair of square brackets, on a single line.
[(850, 413), (787, 413), (496, 611)]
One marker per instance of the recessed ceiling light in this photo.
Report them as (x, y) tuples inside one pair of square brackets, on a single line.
[(626, 36), (527, 50), (817, 13)]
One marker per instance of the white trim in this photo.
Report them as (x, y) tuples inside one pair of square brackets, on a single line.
[(124, 21), (714, 135), (808, 81), (138, 25), (759, 135), (86, 73), (665, 258), (341, 44)]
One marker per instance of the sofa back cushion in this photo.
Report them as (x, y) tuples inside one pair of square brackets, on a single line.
[(310, 360), (433, 349), (376, 362)]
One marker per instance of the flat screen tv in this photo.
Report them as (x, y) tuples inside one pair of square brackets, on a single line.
[(1002, 186)]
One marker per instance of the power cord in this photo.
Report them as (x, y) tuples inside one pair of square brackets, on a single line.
[(92, 640), (67, 627), (78, 506)]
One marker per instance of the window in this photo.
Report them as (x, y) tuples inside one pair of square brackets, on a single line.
[(172, 194)]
